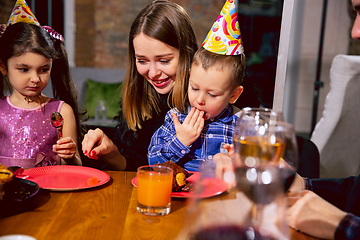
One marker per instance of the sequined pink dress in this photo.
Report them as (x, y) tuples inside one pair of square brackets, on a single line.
[(26, 135)]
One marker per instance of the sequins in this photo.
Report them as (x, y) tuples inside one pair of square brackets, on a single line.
[(25, 132)]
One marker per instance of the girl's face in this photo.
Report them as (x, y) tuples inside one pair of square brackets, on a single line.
[(29, 73), (156, 61)]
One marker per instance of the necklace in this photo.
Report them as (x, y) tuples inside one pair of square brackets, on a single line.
[(30, 100)]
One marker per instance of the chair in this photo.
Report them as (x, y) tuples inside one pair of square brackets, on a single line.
[(308, 158), (337, 132)]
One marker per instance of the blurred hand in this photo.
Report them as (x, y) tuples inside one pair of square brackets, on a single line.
[(224, 167), (96, 143), (312, 215), (65, 147), (190, 129)]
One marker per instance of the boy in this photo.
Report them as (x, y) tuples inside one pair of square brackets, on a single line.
[(216, 73), (187, 139)]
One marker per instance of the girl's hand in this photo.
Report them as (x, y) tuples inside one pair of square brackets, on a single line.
[(96, 143), (65, 147), (190, 129), (312, 215)]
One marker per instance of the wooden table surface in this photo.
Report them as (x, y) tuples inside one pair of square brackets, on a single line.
[(106, 212)]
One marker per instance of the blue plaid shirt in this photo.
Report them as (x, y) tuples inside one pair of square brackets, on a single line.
[(165, 146), (349, 226)]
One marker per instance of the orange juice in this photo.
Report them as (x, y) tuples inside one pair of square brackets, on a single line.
[(154, 189)]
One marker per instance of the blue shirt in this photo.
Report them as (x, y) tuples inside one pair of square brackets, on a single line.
[(165, 146)]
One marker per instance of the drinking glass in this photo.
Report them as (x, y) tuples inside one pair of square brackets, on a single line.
[(261, 185), (259, 147), (261, 114), (231, 216), (258, 117), (154, 186), (289, 162), (258, 141)]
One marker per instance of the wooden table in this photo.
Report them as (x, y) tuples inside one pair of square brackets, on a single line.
[(106, 212)]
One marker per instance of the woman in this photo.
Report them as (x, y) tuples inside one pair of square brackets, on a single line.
[(162, 44)]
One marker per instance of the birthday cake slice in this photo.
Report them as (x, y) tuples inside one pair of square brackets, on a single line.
[(180, 184)]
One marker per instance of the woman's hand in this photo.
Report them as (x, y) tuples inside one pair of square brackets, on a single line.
[(190, 129), (312, 215), (96, 143), (65, 148)]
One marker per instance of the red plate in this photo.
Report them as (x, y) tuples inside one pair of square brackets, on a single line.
[(211, 187), (65, 177)]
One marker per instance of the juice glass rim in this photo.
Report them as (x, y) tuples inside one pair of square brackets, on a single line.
[(146, 169)]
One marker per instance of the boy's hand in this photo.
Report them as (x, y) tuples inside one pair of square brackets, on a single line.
[(65, 147), (190, 129)]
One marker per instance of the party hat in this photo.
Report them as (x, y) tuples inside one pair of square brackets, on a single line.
[(224, 37), (22, 13)]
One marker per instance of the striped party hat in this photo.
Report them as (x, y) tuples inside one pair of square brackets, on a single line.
[(22, 13), (224, 36)]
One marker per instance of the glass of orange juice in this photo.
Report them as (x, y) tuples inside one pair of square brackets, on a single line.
[(154, 185)]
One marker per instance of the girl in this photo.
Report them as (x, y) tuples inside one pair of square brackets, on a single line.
[(162, 44), (29, 57)]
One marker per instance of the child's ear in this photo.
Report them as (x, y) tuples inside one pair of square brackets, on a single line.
[(3, 68), (236, 94)]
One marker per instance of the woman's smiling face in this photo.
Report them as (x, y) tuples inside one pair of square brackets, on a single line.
[(157, 62)]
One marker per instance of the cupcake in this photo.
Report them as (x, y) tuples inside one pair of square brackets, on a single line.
[(5, 176)]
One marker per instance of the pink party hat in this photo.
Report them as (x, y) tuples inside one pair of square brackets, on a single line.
[(224, 37), (22, 13)]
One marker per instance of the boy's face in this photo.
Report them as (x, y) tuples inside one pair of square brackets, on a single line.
[(211, 91)]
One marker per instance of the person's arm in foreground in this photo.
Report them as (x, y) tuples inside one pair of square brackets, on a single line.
[(96, 144), (313, 215)]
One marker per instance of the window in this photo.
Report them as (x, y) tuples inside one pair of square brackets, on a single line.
[(49, 13), (60, 15)]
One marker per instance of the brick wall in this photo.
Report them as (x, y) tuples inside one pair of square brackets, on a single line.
[(102, 29), (5, 9), (85, 33)]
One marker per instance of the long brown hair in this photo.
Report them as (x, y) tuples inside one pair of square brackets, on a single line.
[(169, 23)]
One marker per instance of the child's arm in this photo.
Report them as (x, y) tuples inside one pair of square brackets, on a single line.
[(165, 145), (66, 147)]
